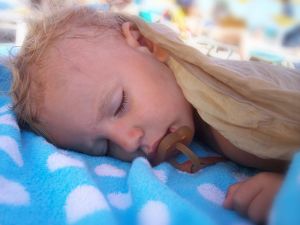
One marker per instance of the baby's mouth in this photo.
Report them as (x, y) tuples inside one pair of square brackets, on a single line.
[(171, 143)]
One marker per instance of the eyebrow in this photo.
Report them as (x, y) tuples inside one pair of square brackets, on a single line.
[(103, 103)]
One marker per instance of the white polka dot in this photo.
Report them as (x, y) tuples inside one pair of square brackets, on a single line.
[(10, 146), (58, 161), (82, 201), (144, 160), (12, 193), (5, 108), (8, 119), (120, 200), (240, 176), (211, 193), (109, 170), (154, 213), (183, 172), (161, 175)]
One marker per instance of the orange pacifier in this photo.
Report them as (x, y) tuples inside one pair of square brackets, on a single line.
[(177, 141)]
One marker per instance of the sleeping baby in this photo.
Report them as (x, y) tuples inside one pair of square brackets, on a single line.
[(110, 84)]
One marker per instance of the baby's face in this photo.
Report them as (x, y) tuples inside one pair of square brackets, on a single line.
[(99, 91)]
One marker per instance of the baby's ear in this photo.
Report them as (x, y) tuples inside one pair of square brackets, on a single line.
[(136, 40)]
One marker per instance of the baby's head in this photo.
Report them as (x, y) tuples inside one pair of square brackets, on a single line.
[(89, 81)]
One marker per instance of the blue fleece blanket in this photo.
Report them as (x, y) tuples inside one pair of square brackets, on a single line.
[(42, 184)]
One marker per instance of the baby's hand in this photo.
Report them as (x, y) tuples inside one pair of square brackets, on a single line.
[(254, 197)]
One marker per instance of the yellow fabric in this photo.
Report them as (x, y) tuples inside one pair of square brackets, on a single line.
[(256, 106)]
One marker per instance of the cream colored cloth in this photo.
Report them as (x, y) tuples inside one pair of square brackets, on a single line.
[(256, 106)]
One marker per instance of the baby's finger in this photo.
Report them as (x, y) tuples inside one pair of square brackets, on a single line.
[(244, 195), (259, 209), (228, 202)]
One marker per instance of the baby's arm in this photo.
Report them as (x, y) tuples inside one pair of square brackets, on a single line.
[(254, 197)]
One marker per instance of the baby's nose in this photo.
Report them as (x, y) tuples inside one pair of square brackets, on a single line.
[(131, 139)]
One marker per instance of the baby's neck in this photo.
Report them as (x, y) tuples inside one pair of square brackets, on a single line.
[(203, 133)]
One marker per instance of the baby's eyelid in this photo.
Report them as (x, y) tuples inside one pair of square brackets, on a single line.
[(123, 104)]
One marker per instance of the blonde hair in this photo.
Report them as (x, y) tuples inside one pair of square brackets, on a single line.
[(44, 30)]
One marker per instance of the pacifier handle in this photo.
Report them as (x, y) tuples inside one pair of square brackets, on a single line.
[(195, 163)]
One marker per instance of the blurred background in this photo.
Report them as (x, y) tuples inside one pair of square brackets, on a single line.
[(263, 30)]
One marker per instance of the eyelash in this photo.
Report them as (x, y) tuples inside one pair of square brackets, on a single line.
[(122, 105)]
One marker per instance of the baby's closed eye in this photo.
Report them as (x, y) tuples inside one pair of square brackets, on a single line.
[(123, 104)]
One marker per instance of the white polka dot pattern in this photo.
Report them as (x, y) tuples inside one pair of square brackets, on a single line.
[(154, 213), (5, 108), (13, 193), (10, 147), (211, 193), (109, 170), (58, 161), (240, 176), (82, 201), (161, 175), (120, 200), (8, 119)]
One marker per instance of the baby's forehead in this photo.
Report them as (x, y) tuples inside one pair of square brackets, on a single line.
[(84, 52), (90, 35), (77, 46), (72, 58)]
